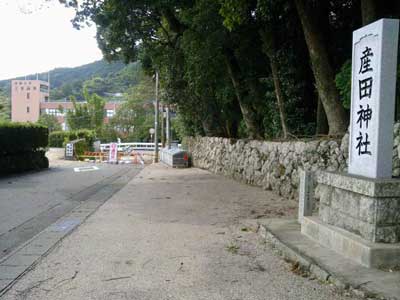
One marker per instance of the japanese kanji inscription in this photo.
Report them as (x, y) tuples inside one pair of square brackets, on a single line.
[(374, 64)]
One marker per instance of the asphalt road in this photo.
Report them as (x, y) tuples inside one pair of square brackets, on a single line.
[(31, 202)]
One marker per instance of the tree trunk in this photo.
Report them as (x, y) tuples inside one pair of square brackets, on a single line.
[(211, 128), (323, 71), (270, 50), (242, 95), (368, 11), (279, 98), (210, 118), (235, 116), (322, 122)]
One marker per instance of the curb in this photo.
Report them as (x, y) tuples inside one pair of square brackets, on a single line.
[(308, 264)]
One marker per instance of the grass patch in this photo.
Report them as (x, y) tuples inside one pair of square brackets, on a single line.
[(232, 248)]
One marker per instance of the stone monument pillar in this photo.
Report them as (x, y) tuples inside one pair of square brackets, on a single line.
[(359, 212)]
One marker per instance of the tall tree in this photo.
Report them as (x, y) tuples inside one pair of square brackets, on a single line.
[(88, 115), (309, 12), (368, 11), (242, 12), (134, 117), (126, 27)]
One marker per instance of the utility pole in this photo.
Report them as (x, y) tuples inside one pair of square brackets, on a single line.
[(162, 127), (168, 127), (156, 123)]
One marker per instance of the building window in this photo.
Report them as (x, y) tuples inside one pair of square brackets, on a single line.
[(22, 88), (53, 112), (34, 88), (28, 88), (27, 109), (44, 88), (28, 95), (110, 113)]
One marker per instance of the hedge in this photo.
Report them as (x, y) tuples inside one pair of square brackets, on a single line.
[(22, 137), (14, 163), (56, 138), (59, 138), (22, 147)]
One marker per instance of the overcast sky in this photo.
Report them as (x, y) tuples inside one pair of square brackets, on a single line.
[(36, 38)]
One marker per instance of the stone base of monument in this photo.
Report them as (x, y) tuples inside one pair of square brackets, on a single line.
[(366, 253), (359, 218), (323, 263)]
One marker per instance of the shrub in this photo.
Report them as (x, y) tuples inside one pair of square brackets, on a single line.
[(88, 135), (59, 138), (56, 138), (80, 147), (22, 137), (343, 83), (14, 163), (22, 147)]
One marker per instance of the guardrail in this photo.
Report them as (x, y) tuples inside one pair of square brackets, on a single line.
[(134, 146)]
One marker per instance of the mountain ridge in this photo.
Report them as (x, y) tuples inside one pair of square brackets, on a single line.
[(100, 77)]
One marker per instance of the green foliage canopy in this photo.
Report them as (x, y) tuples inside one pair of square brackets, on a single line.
[(50, 122), (89, 115)]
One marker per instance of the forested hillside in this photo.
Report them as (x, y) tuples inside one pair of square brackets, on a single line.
[(98, 77)]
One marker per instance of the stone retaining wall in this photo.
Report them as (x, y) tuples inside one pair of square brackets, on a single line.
[(274, 165)]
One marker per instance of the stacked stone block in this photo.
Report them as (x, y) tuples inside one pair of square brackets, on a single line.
[(275, 165), (368, 208)]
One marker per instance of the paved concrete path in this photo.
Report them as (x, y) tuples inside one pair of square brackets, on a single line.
[(172, 234)]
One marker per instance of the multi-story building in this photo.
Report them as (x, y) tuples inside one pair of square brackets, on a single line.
[(30, 99), (26, 97)]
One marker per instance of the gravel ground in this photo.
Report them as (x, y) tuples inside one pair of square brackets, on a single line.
[(173, 234)]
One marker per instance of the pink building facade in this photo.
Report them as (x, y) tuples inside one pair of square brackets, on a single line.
[(30, 99), (26, 96)]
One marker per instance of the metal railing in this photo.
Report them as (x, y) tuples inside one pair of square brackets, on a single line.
[(123, 147)]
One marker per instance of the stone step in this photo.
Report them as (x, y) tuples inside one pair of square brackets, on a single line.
[(371, 255), (285, 237)]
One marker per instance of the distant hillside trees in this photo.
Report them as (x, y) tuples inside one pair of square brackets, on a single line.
[(101, 78), (5, 107)]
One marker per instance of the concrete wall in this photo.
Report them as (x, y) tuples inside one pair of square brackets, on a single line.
[(275, 165)]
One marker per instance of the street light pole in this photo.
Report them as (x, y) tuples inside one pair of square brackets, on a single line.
[(162, 126), (168, 128), (156, 123)]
